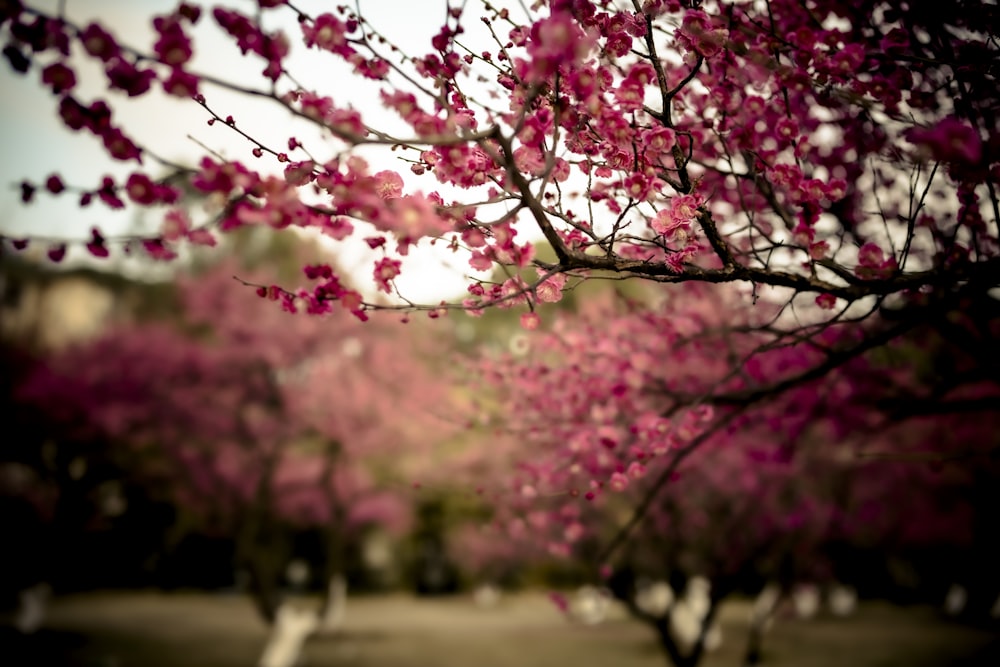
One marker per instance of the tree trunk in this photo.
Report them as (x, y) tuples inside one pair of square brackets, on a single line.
[(675, 656), (622, 586), (32, 607), (261, 552), (755, 640), (264, 589), (762, 615), (331, 612), (292, 627)]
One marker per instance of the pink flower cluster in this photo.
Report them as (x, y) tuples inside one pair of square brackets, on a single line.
[(556, 42), (701, 34), (97, 119), (251, 38), (950, 140), (674, 222), (873, 263)]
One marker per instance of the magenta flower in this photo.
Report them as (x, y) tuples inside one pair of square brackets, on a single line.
[(951, 140)]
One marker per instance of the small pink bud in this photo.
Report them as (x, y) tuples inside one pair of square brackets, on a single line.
[(530, 321), (826, 301)]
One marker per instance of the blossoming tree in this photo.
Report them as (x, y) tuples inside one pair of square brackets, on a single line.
[(841, 156), (645, 440), (837, 163), (840, 153), (261, 423)]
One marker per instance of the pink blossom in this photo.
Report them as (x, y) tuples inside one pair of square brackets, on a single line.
[(129, 78), (385, 270), (158, 250), (551, 289), (556, 41), (54, 184), (372, 68), (530, 321), (872, 262), (657, 142), (202, 237), (327, 32), (337, 228), (573, 532), (819, 250), (704, 35), (413, 217), (96, 245), (836, 189), (300, 173), (59, 78), (636, 470), (173, 46), (222, 178), (480, 261), (57, 252), (950, 140), (141, 189), (618, 482), (674, 222), (389, 184), (584, 82), (108, 194), (120, 146), (181, 83), (870, 256), (99, 43), (826, 301), (473, 237)]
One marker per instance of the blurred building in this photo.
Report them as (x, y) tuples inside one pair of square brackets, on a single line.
[(45, 307)]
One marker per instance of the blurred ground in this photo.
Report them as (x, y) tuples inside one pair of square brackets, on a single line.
[(167, 630)]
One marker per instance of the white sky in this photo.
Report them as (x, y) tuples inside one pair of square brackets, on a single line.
[(35, 143)]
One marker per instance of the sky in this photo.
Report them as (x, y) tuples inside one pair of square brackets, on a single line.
[(35, 144)]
